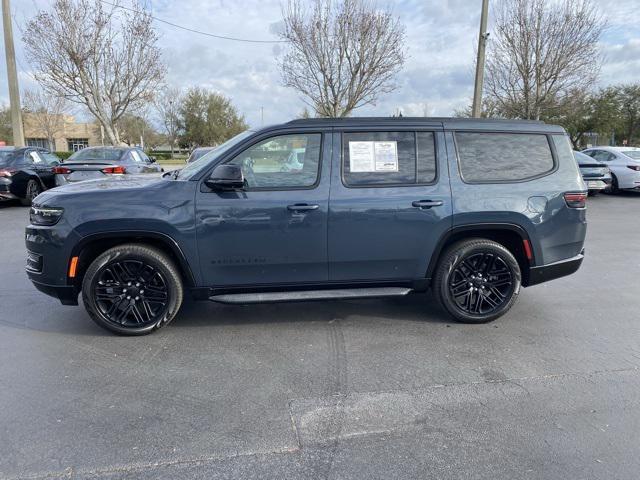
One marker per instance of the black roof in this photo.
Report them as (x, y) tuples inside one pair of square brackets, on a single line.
[(445, 122)]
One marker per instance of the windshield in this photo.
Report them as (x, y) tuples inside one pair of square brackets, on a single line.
[(635, 154), (5, 158), (97, 155), (195, 167)]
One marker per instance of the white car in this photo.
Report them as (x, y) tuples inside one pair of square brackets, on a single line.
[(624, 163)]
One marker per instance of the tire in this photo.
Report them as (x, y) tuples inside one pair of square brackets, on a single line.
[(614, 189), (593, 193), (477, 280), (113, 289), (32, 190)]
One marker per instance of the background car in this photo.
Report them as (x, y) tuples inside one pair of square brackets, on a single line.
[(624, 163), (199, 152), (295, 161), (98, 162), (596, 175), (26, 172)]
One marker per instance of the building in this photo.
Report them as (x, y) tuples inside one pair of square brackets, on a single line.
[(68, 135)]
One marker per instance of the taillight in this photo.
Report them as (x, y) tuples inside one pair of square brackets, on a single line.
[(7, 172), (61, 170), (575, 200), (634, 167), (119, 170)]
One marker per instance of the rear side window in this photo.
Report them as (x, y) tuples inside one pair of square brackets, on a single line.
[(503, 157), (388, 158)]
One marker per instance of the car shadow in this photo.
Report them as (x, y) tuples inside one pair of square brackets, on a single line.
[(75, 321), (417, 307)]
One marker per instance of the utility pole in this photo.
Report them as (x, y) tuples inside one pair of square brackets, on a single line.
[(476, 110), (14, 92)]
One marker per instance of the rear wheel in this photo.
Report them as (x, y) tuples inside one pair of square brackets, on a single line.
[(132, 289), (31, 192), (477, 280)]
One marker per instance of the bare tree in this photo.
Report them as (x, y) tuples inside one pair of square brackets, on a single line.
[(342, 54), (47, 113), (103, 58), (169, 105), (541, 51)]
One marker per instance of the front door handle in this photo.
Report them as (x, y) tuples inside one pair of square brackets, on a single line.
[(426, 203), (302, 207)]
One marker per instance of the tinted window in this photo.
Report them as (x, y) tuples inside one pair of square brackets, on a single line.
[(285, 161), (97, 155), (487, 157), (426, 157), (49, 158), (388, 158), (6, 157)]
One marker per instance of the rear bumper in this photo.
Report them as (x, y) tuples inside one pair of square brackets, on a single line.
[(67, 294), (544, 273)]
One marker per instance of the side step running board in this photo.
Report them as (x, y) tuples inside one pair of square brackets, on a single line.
[(305, 295)]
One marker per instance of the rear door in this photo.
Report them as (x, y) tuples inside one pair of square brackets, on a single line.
[(390, 203), (41, 166)]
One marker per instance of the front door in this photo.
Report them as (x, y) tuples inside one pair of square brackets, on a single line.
[(390, 203), (274, 231)]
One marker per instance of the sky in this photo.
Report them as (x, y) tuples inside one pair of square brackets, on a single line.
[(436, 80)]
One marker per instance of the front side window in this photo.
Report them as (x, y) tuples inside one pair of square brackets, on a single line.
[(486, 157), (388, 158), (285, 161)]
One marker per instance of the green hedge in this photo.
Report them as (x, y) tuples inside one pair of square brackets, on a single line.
[(63, 155)]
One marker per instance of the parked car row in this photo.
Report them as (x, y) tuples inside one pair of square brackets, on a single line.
[(28, 171), (624, 163)]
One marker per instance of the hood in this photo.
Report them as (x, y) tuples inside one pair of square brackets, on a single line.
[(123, 184)]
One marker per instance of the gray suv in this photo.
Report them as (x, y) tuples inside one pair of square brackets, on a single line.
[(378, 207)]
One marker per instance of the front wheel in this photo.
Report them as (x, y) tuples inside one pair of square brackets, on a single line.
[(132, 289), (477, 280)]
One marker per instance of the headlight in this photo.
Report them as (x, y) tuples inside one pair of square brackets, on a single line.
[(45, 215)]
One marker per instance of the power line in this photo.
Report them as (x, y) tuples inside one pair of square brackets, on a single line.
[(222, 37)]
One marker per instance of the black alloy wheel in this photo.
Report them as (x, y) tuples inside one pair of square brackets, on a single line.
[(481, 283), (131, 293), (477, 280), (132, 289)]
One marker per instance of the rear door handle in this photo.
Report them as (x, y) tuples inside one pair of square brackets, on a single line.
[(426, 203), (302, 207)]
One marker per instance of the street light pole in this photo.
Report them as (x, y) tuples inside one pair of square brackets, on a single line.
[(476, 110), (12, 74)]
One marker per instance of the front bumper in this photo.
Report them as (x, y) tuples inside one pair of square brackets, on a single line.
[(67, 294), (544, 273)]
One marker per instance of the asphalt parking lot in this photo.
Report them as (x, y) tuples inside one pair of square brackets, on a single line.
[(352, 389)]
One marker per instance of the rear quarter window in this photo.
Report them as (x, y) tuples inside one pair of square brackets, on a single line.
[(486, 157)]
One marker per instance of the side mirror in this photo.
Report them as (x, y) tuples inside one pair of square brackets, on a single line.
[(153, 159), (225, 177)]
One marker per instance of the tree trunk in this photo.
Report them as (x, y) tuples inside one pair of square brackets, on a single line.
[(112, 133)]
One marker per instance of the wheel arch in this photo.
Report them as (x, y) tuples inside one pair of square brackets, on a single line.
[(90, 246), (509, 235)]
